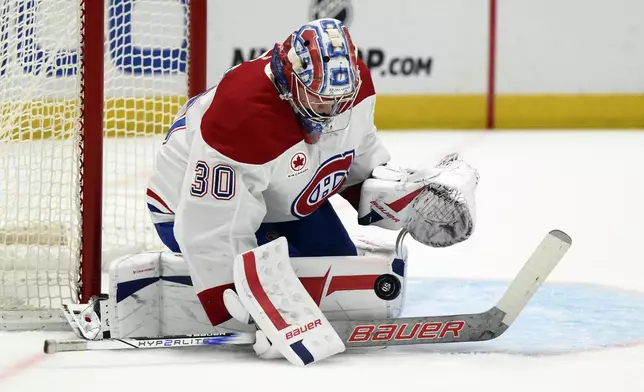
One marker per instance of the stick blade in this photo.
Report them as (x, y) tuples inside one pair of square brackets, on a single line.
[(540, 264)]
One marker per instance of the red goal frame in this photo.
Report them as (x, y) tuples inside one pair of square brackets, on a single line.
[(91, 140)]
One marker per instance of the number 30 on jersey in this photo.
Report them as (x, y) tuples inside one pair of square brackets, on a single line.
[(221, 185)]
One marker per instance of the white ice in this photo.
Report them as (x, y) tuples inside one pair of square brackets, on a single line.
[(587, 183)]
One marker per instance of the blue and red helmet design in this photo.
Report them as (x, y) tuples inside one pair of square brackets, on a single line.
[(316, 68)]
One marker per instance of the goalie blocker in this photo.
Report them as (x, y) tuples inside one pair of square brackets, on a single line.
[(151, 294)]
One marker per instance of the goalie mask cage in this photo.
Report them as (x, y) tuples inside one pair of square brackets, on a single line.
[(88, 89)]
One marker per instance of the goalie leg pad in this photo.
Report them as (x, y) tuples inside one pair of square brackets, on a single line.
[(151, 294), (280, 306), (368, 286)]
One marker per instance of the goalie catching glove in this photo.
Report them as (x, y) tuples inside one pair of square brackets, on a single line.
[(436, 206), (289, 322)]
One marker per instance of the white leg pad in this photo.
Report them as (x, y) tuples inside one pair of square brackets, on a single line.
[(280, 306), (151, 293)]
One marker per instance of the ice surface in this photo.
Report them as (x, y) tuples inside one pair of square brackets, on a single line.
[(587, 183)]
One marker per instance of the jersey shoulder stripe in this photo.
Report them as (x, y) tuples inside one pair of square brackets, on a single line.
[(246, 120)]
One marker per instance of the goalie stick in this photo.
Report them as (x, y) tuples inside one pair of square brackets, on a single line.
[(465, 327), (387, 332), (53, 346)]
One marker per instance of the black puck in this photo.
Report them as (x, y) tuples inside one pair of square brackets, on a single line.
[(387, 287)]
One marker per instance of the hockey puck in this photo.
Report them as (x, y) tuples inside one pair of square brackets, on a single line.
[(387, 287)]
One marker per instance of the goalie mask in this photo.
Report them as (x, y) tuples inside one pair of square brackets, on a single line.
[(316, 70)]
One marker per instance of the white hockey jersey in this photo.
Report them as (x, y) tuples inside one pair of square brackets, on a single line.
[(236, 157)]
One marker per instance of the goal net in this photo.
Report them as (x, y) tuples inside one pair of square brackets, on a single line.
[(54, 152)]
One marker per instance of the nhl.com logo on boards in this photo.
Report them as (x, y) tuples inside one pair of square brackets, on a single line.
[(378, 59)]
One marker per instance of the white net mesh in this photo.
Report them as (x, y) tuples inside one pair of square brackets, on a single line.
[(39, 155), (145, 84)]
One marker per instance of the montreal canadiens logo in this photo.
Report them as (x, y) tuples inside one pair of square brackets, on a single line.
[(298, 161), (326, 181)]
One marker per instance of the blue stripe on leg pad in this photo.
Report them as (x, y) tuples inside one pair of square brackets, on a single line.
[(302, 352)]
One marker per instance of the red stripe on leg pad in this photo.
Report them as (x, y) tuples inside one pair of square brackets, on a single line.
[(250, 270), (212, 301), (315, 286), (346, 283)]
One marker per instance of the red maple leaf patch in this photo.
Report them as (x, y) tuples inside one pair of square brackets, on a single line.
[(298, 161)]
